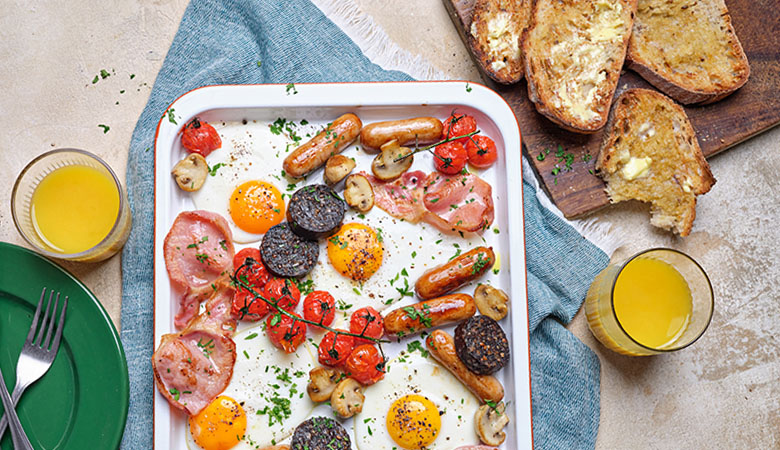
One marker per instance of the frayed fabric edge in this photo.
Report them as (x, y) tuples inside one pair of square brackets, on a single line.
[(374, 42)]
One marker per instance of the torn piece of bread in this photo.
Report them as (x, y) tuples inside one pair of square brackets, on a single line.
[(687, 49), (494, 36), (650, 153), (574, 51)]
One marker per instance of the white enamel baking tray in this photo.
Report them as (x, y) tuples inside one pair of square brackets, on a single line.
[(320, 104)]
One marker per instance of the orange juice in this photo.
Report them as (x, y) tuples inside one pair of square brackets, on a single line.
[(74, 208), (652, 302)]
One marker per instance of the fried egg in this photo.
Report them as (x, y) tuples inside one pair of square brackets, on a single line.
[(264, 402), (244, 184), (419, 404)]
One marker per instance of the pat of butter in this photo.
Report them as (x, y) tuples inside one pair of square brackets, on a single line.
[(497, 65), (687, 185), (636, 168)]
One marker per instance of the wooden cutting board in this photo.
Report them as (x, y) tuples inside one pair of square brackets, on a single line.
[(752, 109)]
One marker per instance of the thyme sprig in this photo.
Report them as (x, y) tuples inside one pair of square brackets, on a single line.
[(429, 147), (241, 281)]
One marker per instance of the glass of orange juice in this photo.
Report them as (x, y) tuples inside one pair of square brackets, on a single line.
[(68, 204), (657, 301)]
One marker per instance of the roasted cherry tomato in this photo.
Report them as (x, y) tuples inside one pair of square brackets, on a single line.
[(367, 322), (458, 125), (482, 151), (319, 306), (334, 350), (285, 332), (283, 292), (245, 305), (200, 137), (450, 158), (365, 364)]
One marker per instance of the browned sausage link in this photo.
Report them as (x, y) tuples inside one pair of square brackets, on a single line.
[(442, 348), (454, 274), (330, 141), (430, 314), (422, 130)]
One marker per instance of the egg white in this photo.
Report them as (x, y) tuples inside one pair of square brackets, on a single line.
[(411, 373), (249, 152), (263, 372)]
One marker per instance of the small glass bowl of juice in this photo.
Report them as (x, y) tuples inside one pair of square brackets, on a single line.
[(654, 302), (68, 204)]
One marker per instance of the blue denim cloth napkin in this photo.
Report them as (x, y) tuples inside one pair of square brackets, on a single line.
[(221, 42)]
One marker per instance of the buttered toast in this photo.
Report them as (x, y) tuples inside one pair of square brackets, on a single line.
[(494, 36), (650, 153), (574, 51), (687, 49)]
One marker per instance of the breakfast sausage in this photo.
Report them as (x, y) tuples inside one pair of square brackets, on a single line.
[(330, 141), (420, 130), (442, 347), (430, 314), (454, 274)]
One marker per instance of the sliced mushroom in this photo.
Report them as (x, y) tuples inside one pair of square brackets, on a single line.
[(358, 193), (385, 166), (322, 382), (490, 421), (338, 167), (347, 398), (491, 302), (190, 173)]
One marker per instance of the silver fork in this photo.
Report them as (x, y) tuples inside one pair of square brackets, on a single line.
[(20, 439), (37, 356)]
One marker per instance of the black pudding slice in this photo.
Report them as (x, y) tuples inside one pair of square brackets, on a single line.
[(315, 211), (482, 345), (320, 433), (285, 254)]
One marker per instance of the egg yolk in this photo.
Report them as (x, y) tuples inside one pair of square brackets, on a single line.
[(355, 251), (413, 422), (220, 425), (256, 206)]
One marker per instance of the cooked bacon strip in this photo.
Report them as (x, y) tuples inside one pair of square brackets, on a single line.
[(192, 367), (461, 202), (401, 198), (198, 252), (218, 317)]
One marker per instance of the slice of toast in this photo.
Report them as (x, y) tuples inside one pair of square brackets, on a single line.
[(494, 35), (574, 51), (687, 49), (650, 153)]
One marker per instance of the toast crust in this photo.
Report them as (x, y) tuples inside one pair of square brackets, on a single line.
[(494, 36), (650, 153), (574, 51), (687, 49)]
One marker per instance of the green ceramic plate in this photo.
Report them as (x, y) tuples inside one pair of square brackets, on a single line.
[(81, 402)]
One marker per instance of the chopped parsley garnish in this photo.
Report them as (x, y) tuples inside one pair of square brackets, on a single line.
[(171, 116), (417, 346), (421, 316), (291, 87), (479, 264), (213, 170), (104, 127)]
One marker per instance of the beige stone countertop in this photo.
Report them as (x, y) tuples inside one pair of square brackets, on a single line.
[(723, 392)]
